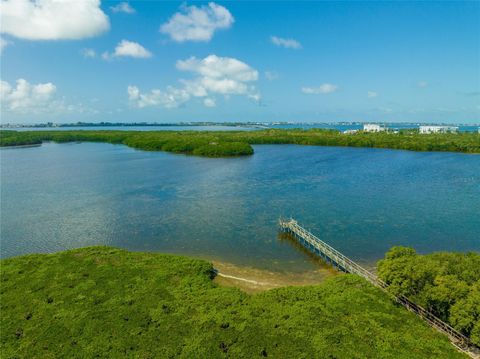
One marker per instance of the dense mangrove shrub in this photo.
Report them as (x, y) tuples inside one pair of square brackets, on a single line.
[(236, 143), (109, 303), (448, 284), (214, 149)]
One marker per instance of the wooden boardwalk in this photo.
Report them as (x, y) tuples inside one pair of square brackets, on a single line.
[(345, 264)]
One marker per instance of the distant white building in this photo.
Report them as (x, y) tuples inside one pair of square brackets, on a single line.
[(438, 129), (373, 127), (355, 131)]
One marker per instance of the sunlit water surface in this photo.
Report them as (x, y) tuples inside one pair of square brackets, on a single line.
[(361, 201)]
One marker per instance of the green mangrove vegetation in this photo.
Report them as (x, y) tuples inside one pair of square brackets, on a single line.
[(447, 284), (238, 143), (107, 302)]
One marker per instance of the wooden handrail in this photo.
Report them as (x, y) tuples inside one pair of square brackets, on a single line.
[(345, 264)]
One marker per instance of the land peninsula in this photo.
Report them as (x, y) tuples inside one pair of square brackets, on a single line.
[(238, 143), (107, 302)]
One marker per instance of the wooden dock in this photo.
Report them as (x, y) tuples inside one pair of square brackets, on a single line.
[(345, 264)]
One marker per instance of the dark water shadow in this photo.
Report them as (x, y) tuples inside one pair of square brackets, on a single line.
[(315, 259)]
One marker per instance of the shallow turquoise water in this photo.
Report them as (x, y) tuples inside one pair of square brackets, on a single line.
[(361, 201)]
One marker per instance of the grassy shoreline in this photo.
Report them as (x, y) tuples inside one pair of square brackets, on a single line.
[(238, 143), (107, 302)]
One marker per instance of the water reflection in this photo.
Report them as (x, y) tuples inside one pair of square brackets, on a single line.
[(361, 201)]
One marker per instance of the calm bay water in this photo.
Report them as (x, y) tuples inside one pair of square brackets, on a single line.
[(361, 201), (137, 128)]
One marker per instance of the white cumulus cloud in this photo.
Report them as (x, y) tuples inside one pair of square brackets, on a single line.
[(209, 102), (322, 89), (52, 19), (219, 75), (127, 48), (170, 98), (213, 76), (372, 94), (123, 7), (194, 23), (287, 43), (25, 97), (219, 68)]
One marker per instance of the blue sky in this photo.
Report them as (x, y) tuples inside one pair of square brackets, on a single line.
[(240, 61)]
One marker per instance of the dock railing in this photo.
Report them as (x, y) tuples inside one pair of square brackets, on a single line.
[(345, 264)]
